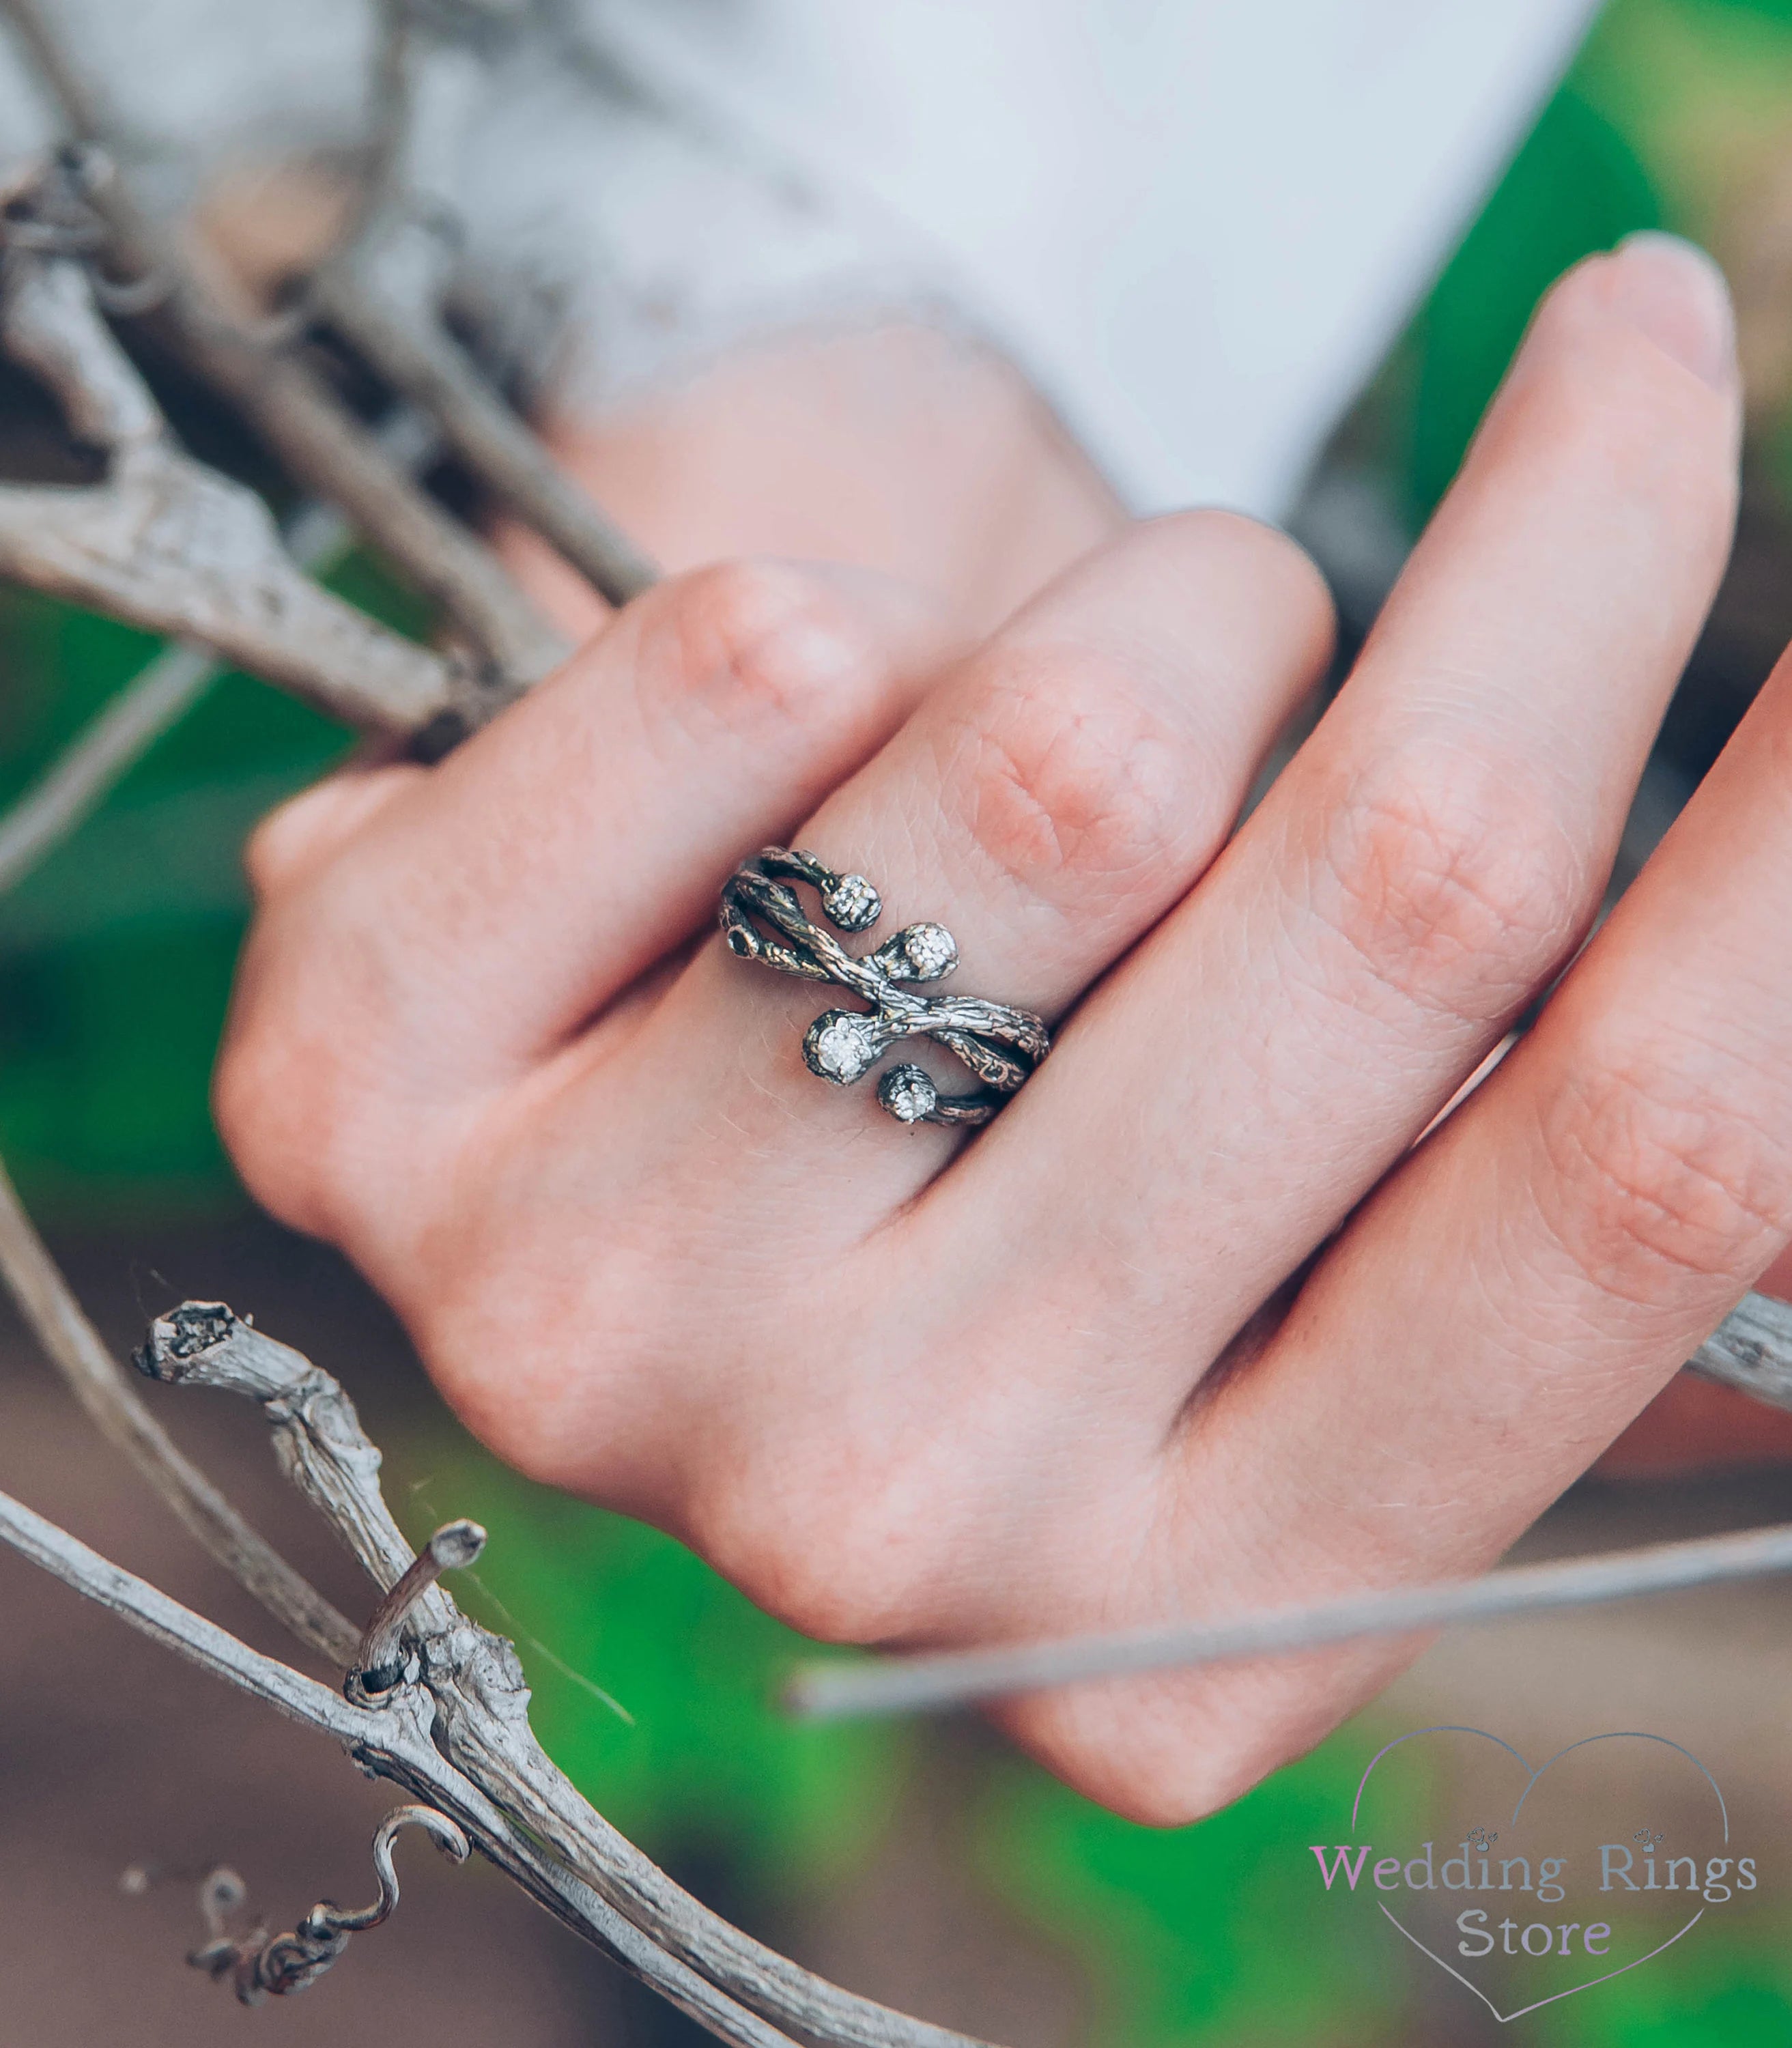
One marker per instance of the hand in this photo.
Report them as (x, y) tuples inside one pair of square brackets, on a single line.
[(1193, 1328)]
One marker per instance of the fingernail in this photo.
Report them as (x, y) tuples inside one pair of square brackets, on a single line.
[(1674, 294)]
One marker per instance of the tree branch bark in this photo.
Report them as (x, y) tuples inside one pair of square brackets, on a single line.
[(392, 1742), (317, 436), (481, 1699), (1751, 1351), (932, 1684), (172, 545), (114, 1405), (78, 781), (419, 358), (383, 292)]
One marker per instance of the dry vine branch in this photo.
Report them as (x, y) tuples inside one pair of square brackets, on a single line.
[(1751, 1351), (319, 440), (171, 545), (481, 1702), (383, 293), (259, 1965), (114, 1406), (423, 360), (394, 1742), (77, 781), (957, 1678)]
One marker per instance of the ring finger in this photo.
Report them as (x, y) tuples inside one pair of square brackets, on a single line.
[(1048, 804)]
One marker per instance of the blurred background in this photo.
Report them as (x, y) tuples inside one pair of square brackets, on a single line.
[(928, 1866)]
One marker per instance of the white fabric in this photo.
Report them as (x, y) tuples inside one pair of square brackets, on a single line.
[(1197, 224)]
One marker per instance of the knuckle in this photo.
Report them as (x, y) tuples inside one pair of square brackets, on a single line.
[(278, 1116), (851, 1562), (1658, 1173), (297, 1092), (1261, 557), (756, 643), (1067, 784), (1453, 883), (1168, 1750)]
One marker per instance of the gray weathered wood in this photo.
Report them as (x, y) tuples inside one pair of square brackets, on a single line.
[(76, 782), (116, 1410), (172, 546), (477, 1684), (1751, 1351), (392, 1741), (320, 441)]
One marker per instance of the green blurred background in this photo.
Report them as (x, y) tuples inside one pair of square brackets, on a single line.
[(117, 961)]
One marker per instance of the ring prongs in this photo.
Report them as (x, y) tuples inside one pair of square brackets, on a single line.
[(762, 919), (842, 1046), (852, 905)]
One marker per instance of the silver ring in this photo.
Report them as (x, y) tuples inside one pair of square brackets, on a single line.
[(1001, 1046)]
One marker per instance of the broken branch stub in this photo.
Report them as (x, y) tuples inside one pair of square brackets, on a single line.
[(394, 1743), (478, 1694)]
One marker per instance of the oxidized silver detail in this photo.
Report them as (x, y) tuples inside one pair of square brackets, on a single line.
[(1001, 1046)]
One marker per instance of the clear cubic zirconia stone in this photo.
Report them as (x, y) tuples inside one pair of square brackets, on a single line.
[(843, 1048), (931, 949)]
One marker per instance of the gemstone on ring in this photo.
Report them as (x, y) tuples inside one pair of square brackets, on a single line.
[(852, 903), (910, 1093), (841, 1045), (930, 950)]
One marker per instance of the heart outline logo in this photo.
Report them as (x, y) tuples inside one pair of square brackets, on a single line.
[(1533, 1774)]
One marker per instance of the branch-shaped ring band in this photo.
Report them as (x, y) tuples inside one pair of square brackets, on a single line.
[(763, 919)]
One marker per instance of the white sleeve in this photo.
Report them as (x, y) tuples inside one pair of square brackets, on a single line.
[(1196, 225)]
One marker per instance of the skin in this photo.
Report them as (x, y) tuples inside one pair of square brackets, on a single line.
[(1200, 1324)]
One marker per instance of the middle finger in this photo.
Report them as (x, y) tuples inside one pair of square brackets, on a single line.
[(1430, 858), (1048, 803)]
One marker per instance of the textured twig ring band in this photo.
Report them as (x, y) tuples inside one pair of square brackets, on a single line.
[(763, 919)]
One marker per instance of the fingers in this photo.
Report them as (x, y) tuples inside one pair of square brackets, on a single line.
[(1626, 1175), (1047, 804), (1088, 763), (559, 852), (480, 911), (1432, 855), (1540, 1268)]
